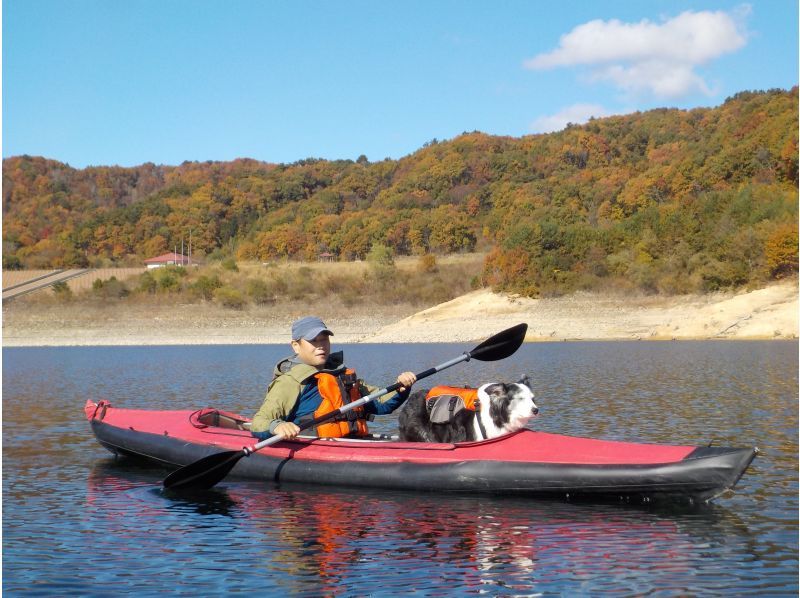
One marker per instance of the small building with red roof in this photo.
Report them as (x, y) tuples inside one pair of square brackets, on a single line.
[(168, 259)]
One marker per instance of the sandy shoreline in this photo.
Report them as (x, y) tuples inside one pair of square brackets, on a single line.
[(769, 313)]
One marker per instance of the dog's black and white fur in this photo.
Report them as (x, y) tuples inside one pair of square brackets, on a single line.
[(504, 408)]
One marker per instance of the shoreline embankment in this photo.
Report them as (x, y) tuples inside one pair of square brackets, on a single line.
[(768, 313)]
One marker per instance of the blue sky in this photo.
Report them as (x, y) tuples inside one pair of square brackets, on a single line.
[(104, 82)]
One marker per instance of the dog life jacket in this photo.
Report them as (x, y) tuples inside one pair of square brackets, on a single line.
[(443, 402), (337, 389)]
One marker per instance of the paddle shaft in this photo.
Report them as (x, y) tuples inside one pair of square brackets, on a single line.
[(356, 404)]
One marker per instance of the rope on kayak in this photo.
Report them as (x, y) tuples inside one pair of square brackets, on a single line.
[(217, 418)]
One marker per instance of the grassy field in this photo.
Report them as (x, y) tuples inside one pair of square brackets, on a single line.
[(339, 286)]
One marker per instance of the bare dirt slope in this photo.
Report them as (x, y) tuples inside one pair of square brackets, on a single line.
[(767, 313)]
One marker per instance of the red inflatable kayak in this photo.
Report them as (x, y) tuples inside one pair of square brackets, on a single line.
[(524, 463)]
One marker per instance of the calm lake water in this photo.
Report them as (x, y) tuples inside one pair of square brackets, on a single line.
[(78, 522)]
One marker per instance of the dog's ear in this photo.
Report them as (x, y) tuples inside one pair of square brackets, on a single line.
[(525, 381), (495, 390)]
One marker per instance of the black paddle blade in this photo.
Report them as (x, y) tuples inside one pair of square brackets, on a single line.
[(203, 473), (500, 345)]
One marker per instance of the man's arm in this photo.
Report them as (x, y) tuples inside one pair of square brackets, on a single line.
[(278, 403)]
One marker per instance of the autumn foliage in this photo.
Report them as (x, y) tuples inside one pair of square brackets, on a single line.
[(667, 201)]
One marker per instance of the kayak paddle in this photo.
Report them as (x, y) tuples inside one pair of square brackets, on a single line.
[(207, 471)]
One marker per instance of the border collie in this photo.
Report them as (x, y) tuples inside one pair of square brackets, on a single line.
[(503, 408)]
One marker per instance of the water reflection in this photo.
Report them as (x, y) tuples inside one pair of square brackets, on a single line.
[(508, 543), (336, 540), (204, 502)]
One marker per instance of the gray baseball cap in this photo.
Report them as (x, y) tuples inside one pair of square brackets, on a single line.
[(308, 328)]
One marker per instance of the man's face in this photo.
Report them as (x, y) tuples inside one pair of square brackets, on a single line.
[(314, 352)]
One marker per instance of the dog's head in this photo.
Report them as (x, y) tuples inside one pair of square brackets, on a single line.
[(510, 406)]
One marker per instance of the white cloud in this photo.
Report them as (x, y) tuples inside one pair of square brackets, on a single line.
[(576, 114), (646, 56)]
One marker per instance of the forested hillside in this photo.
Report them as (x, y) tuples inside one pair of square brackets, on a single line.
[(667, 201)]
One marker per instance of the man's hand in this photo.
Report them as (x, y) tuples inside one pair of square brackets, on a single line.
[(288, 430), (406, 379)]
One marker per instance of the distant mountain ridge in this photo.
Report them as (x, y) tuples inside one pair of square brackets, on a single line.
[(666, 201)]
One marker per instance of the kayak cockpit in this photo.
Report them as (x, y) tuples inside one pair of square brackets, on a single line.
[(215, 418)]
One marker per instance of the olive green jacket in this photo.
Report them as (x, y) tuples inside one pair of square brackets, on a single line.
[(282, 394), (285, 389)]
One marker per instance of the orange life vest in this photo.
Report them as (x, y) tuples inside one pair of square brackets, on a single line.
[(336, 391), (445, 401)]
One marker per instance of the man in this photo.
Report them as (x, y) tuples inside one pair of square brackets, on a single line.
[(315, 382)]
